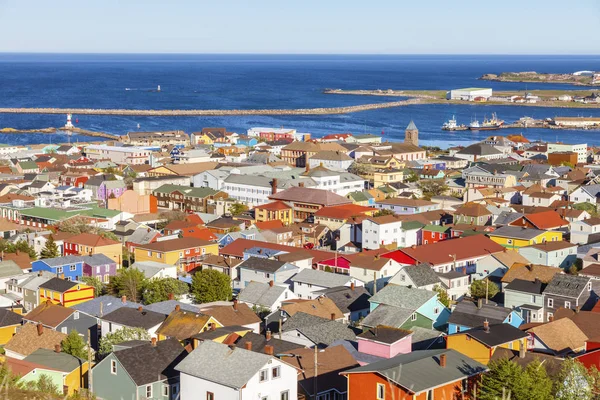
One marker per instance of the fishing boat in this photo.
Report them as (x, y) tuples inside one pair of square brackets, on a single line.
[(451, 125), (487, 124)]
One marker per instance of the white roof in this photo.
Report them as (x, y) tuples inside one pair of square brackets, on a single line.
[(121, 149)]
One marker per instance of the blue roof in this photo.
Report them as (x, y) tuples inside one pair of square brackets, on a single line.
[(109, 304), (411, 126), (262, 251)]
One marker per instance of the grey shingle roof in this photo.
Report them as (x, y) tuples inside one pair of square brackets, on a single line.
[(168, 306), (9, 268), (261, 264), (467, 314), (520, 285), (498, 334), (58, 285), (567, 285), (346, 299), (421, 274), (136, 319), (302, 320), (57, 361), (261, 294), (228, 367), (388, 316), (108, 304), (402, 297), (517, 232), (146, 364), (420, 370), (328, 332), (321, 278)]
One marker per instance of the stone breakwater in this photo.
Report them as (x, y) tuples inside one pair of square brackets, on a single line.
[(211, 113), (79, 131)]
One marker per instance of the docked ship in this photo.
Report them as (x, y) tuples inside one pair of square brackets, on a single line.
[(487, 124), (451, 125)]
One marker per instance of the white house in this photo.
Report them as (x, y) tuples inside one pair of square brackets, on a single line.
[(235, 373), (117, 154), (265, 295), (581, 230), (337, 160), (585, 194), (308, 281), (388, 229), (214, 179), (540, 199), (455, 283), (368, 268), (407, 206), (156, 270)]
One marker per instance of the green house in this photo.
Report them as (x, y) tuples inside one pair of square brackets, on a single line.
[(143, 371)]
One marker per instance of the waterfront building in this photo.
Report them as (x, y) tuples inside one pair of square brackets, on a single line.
[(166, 138), (469, 94), (118, 154), (580, 149)]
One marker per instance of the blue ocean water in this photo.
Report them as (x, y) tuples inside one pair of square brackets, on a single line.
[(271, 81)]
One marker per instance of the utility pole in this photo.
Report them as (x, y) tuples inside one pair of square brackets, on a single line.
[(487, 289), (89, 372), (316, 366)]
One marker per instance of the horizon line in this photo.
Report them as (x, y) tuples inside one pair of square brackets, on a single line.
[(290, 54)]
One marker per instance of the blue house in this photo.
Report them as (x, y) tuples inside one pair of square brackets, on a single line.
[(405, 307), (71, 267), (250, 234), (468, 314), (247, 141)]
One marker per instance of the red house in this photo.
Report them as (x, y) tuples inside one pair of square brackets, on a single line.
[(275, 136), (435, 233), (420, 375)]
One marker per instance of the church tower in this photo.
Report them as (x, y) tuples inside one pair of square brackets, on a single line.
[(411, 134)]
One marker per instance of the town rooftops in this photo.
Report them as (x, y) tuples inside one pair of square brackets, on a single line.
[(551, 246), (182, 325), (58, 285), (402, 297), (517, 232), (399, 201), (560, 336), (28, 339), (468, 313), (321, 278), (473, 210), (346, 298), (174, 244), (261, 293), (49, 314), (567, 285), (135, 318), (9, 318), (384, 334), (263, 264), (496, 334), (344, 211), (310, 196), (237, 314), (530, 272), (532, 287), (322, 307), (56, 361), (100, 306), (413, 365), (421, 274)]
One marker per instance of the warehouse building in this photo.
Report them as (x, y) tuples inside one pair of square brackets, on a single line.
[(469, 94)]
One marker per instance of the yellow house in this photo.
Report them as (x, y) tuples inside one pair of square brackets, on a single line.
[(184, 252), (8, 327), (276, 210), (74, 370), (383, 177), (183, 325), (516, 236), (89, 243), (481, 343), (64, 292)]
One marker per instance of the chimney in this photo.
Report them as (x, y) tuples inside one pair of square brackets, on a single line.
[(333, 316), (479, 303), (268, 335), (486, 326), (171, 296), (40, 329), (271, 283), (521, 350), (140, 308), (248, 346), (269, 350), (274, 186), (57, 348), (153, 341), (124, 299), (443, 360), (352, 286), (235, 304), (177, 307)]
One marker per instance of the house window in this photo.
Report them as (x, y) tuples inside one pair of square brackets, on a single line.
[(158, 255), (436, 310), (567, 304), (533, 298), (549, 315), (589, 286), (113, 367), (76, 315), (509, 241), (148, 391), (285, 395), (430, 395), (509, 318), (263, 375), (275, 373), (380, 391), (72, 268), (59, 270), (149, 254), (63, 329), (551, 303), (413, 317), (166, 390)]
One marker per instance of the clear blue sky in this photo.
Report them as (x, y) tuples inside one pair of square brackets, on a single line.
[(301, 26)]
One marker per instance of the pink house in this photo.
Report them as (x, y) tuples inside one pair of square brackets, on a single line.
[(385, 341)]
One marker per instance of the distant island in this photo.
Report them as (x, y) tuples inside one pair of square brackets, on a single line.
[(582, 78)]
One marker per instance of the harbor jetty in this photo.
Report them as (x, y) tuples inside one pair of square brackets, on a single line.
[(79, 131), (211, 113)]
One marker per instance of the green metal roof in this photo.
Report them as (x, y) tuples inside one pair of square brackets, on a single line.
[(435, 228), (410, 225), (186, 190), (28, 165), (359, 196)]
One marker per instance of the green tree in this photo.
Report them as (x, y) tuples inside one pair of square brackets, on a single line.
[(360, 169), (573, 382), (169, 216), (128, 282), (108, 235), (442, 295), (411, 176), (478, 289), (50, 250), (211, 285), (539, 384), (237, 208), (122, 335), (503, 377), (432, 187), (96, 283), (44, 384), (157, 290), (74, 345)]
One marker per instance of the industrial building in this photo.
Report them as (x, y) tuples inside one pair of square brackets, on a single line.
[(469, 94)]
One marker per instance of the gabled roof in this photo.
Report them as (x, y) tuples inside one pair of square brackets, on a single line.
[(530, 272), (496, 335), (467, 313), (384, 334), (421, 274), (228, 367), (567, 285), (320, 278), (58, 285), (407, 370), (402, 297), (517, 232), (182, 325), (261, 294), (9, 318), (321, 307), (239, 314), (147, 363), (56, 361), (346, 298), (262, 264), (27, 340), (174, 244), (49, 314), (310, 195), (134, 318), (100, 306), (561, 335)]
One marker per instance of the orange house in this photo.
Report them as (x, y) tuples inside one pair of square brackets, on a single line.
[(133, 202), (481, 343), (420, 375)]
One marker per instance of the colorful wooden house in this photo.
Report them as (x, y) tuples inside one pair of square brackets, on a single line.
[(515, 237), (74, 370), (9, 322), (65, 292), (185, 252)]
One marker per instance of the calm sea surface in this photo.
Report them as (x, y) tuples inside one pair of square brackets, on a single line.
[(271, 81)]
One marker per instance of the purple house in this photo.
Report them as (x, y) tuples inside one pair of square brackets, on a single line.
[(99, 266), (103, 187), (385, 341)]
